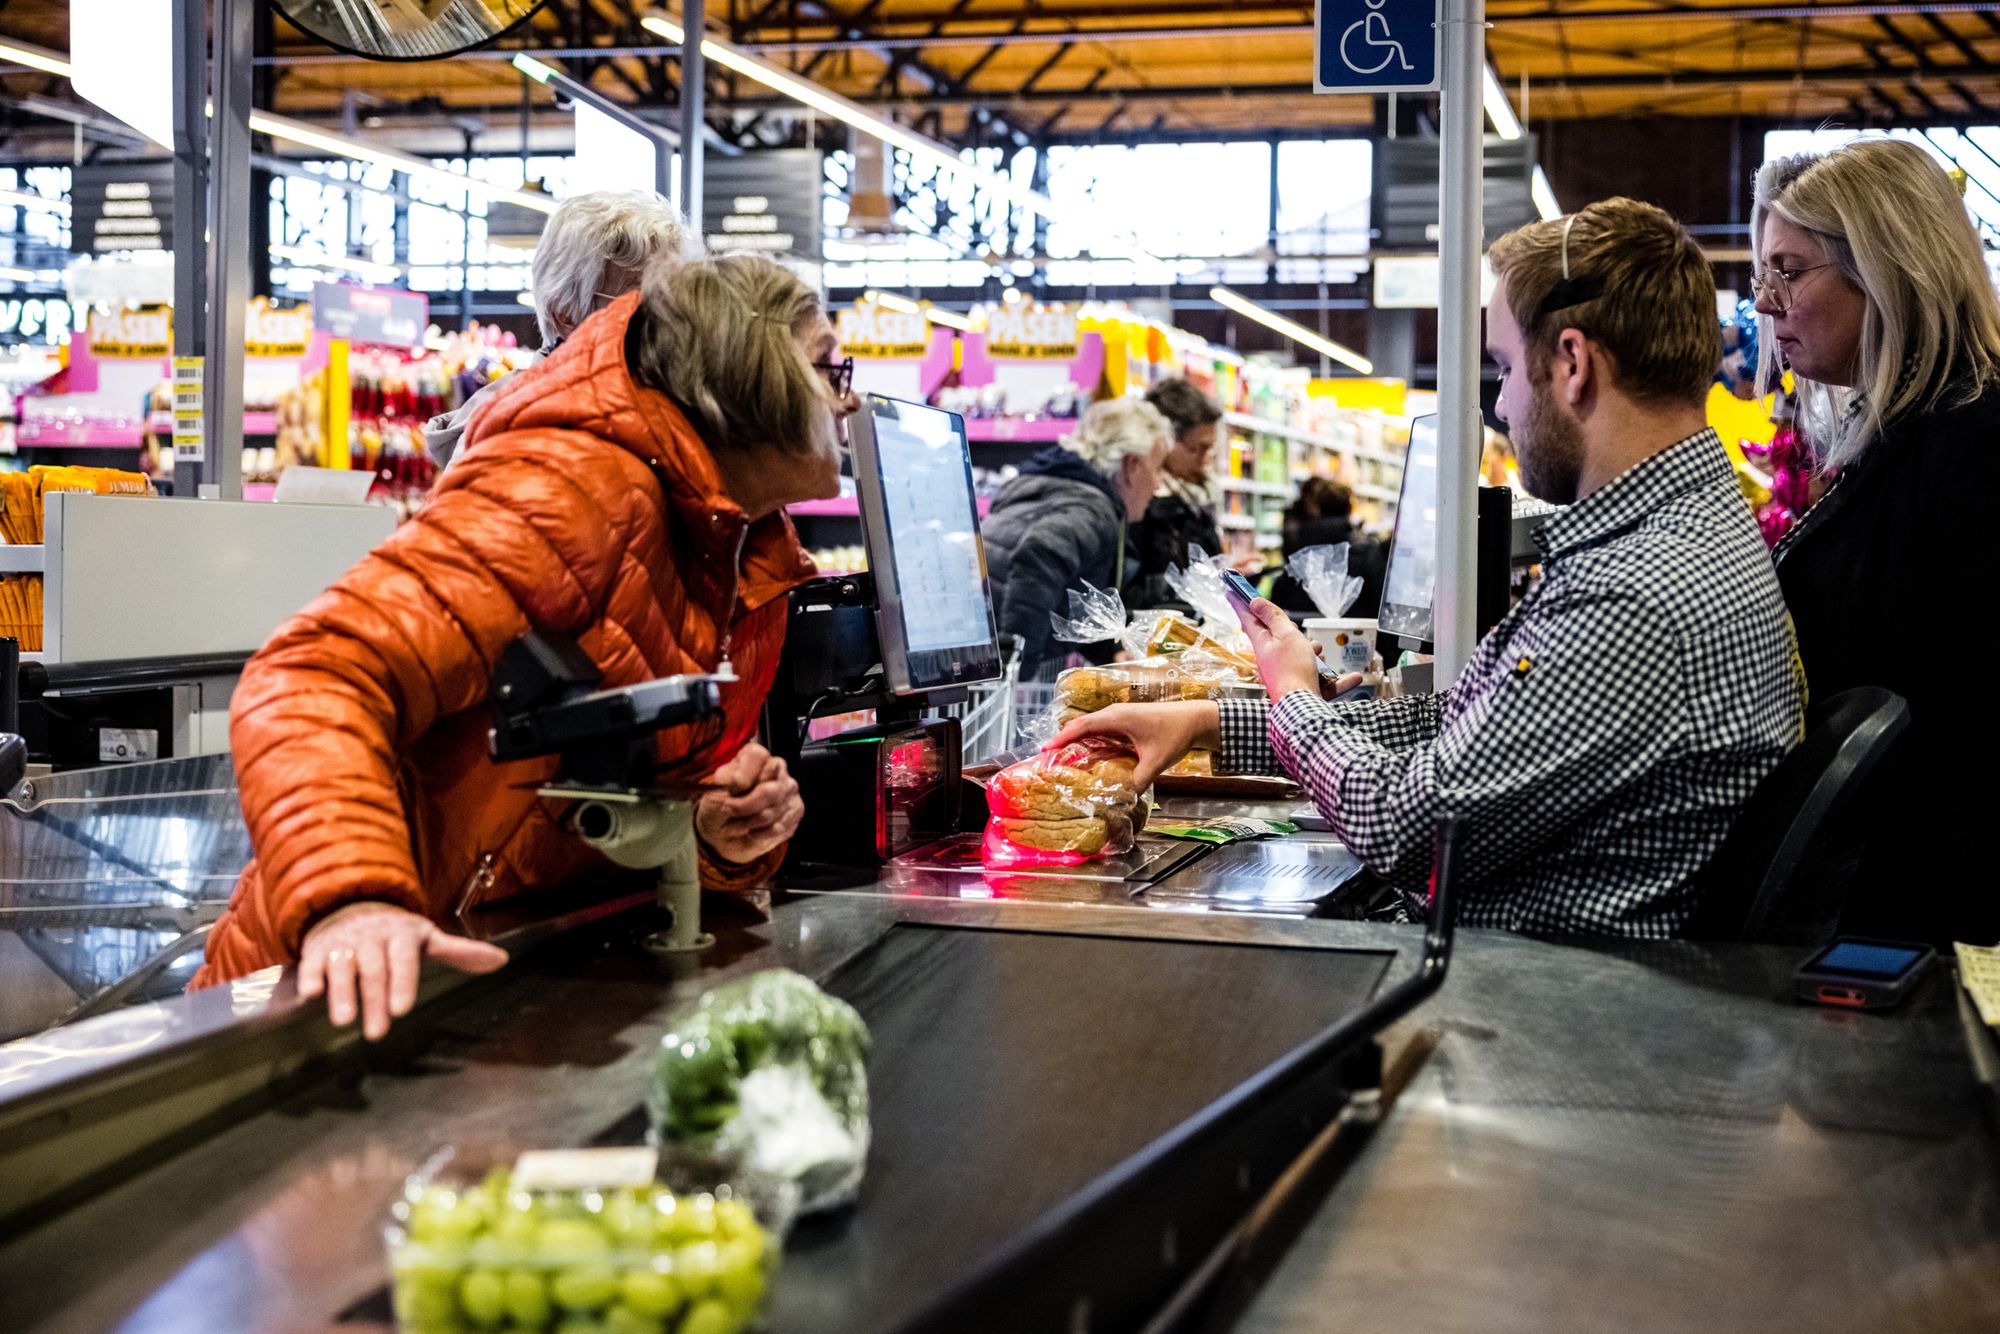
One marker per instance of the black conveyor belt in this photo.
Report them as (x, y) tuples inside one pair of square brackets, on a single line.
[(1011, 1070)]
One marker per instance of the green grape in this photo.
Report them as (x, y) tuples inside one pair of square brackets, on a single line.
[(650, 1292), (629, 1221), (584, 1287), (741, 1282), (622, 1319), (696, 1265), (579, 1324), (518, 1231), (694, 1220), (734, 1218), (420, 1301), (483, 1294), (528, 1299), (571, 1241), (709, 1317)]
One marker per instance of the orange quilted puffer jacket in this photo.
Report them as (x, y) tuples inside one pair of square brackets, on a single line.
[(587, 506)]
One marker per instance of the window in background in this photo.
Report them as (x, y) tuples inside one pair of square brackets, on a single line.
[(1323, 196)]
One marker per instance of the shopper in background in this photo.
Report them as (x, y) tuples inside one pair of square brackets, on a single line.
[(1182, 515), (1323, 515), (1875, 294), (592, 252), (1608, 730), (627, 492), (1063, 521)]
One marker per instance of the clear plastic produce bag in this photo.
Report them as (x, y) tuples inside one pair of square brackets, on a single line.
[(765, 1079), (1199, 584), (1063, 807), (1322, 572), (556, 1242), (1096, 616)]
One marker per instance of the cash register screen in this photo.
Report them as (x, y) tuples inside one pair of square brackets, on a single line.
[(920, 522), (1411, 577)]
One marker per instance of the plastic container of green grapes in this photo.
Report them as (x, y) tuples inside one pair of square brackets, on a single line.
[(472, 1251)]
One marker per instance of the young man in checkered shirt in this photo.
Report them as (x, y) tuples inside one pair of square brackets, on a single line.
[(1608, 730)]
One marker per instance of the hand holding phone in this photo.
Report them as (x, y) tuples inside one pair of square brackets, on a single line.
[(1240, 592)]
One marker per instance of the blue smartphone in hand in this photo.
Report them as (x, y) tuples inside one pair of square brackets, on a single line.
[(1240, 591)]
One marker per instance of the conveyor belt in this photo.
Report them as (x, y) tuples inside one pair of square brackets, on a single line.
[(1013, 1070)]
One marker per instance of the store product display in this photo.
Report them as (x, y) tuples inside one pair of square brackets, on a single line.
[(22, 512), (1064, 806), (765, 1081)]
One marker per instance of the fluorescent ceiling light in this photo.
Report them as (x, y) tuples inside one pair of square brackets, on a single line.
[(12, 275), (890, 301), (950, 319), (306, 136), (29, 199), (828, 102), (1505, 123), (1298, 333), (533, 68), (525, 298), (297, 132), (34, 57), (1544, 196), (320, 259)]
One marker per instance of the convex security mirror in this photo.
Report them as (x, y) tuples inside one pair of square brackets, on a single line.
[(406, 29)]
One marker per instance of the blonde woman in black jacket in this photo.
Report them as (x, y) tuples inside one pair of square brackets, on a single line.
[(1874, 293)]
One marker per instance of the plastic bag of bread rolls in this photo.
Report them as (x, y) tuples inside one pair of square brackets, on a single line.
[(1147, 681), (1063, 806)]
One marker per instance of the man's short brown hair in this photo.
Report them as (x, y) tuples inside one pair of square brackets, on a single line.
[(1649, 295)]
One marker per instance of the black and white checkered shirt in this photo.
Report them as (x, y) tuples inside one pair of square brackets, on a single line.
[(1605, 733)]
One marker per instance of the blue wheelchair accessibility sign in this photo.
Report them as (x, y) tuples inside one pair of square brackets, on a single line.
[(1375, 46)]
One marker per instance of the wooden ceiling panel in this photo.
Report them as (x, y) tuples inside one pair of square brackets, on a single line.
[(1203, 65)]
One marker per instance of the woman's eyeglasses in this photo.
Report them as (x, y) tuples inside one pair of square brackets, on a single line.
[(1777, 284), (839, 374)]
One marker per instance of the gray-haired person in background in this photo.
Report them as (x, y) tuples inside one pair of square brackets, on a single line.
[(592, 252)]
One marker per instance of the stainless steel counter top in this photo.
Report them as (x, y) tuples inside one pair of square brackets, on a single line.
[(1575, 1137)]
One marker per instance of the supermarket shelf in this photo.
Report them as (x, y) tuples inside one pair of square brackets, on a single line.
[(1376, 492), (62, 433), (1018, 430), (1256, 488), (1265, 426), (22, 559), (1237, 523), (254, 423)]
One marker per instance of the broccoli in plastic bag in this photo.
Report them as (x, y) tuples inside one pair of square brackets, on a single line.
[(768, 1074)]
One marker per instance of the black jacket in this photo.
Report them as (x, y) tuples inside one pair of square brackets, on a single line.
[(1052, 528), (1162, 539), (1892, 582)]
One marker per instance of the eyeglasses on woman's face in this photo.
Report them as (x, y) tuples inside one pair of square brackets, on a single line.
[(839, 374), (1776, 285)]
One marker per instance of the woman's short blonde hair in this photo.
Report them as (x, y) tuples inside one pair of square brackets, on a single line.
[(1893, 223), (1116, 429), (720, 338)]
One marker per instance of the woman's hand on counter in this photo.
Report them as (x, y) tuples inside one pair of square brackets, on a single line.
[(1158, 733), (760, 809), (368, 956)]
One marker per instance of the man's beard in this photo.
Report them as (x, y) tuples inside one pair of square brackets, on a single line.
[(1549, 447)]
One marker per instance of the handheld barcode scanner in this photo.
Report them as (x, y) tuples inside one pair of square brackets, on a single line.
[(545, 702)]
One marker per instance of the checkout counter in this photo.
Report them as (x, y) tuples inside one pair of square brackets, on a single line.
[(1101, 1102)]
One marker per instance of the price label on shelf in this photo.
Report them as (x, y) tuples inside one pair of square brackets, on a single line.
[(188, 415)]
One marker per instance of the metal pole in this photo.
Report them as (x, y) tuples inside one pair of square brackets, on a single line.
[(229, 265), (694, 82), (1461, 238), (190, 57)]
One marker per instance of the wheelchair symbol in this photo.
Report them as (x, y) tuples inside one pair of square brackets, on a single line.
[(1375, 38)]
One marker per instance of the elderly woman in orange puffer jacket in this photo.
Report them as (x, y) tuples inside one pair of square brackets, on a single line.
[(629, 492)]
